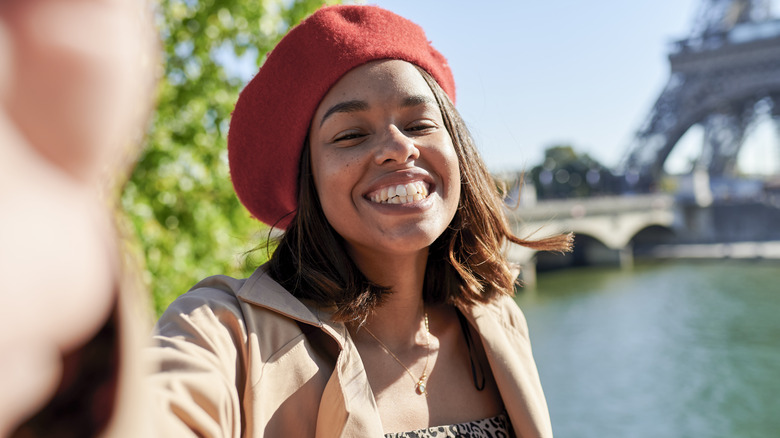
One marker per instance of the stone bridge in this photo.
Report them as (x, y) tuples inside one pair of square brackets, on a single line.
[(605, 229)]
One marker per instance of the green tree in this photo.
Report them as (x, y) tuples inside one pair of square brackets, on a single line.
[(567, 174), (179, 198)]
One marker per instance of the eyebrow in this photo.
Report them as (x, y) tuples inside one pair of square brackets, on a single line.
[(417, 99), (349, 106), (352, 106)]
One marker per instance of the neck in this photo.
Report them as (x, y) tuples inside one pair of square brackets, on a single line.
[(399, 320)]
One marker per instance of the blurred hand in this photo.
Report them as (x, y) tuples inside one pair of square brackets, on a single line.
[(76, 84)]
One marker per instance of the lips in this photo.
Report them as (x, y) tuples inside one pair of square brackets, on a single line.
[(400, 193)]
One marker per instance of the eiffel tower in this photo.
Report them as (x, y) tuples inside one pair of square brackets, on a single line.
[(722, 77)]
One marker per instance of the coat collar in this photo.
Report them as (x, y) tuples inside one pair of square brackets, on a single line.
[(347, 394), (263, 291)]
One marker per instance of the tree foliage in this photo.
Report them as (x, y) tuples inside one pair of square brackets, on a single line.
[(179, 198), (567, 174)]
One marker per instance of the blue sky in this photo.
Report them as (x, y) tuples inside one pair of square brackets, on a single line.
[(531, 74)]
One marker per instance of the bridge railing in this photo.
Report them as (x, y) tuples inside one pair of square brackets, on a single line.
[(580, 207)]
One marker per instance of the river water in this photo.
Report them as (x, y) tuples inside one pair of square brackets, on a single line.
[(667, 349)]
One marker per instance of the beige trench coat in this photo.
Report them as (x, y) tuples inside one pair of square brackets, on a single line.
[(237, 358)]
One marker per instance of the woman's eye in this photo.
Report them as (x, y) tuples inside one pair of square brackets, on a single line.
[(421, 127), (348, 136)]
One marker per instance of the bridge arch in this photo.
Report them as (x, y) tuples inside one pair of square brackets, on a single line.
[(653, 234), (647, 238), (616, 232), (588, 251)]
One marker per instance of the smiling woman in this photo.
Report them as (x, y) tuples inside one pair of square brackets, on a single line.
[(386, 307), (389, 135)]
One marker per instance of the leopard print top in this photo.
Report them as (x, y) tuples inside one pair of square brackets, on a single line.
[(493, 427)]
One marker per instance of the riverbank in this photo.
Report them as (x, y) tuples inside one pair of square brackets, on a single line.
[(734, 250)]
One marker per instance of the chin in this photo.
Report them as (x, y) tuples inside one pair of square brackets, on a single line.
[(409, 241)]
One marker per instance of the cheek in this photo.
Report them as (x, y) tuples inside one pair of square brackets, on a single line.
[(452, 174), (334, 181), (451, 178)]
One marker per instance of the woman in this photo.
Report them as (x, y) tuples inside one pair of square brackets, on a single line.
[(386, 307)]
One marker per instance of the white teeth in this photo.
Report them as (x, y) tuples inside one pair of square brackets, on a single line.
[(401, 193)]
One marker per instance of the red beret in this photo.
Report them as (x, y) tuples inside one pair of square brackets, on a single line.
[(273, 112)]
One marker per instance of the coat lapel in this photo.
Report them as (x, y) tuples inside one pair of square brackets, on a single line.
[(504, 334), (348, 408)]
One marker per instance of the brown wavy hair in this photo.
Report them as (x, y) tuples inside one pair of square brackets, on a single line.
[(465, 265)]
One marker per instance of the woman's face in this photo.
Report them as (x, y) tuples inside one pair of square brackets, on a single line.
[(383, 163)]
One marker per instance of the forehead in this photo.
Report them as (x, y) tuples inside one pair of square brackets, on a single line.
[(385, 80)]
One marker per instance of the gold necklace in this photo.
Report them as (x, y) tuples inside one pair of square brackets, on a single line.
[(419, 385)]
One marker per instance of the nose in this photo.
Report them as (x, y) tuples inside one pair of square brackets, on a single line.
[(395, 146)]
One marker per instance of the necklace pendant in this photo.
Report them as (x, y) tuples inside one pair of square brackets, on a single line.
[(420, 387)]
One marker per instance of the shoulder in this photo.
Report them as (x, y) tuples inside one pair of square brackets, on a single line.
[(212, 302), (221, 306), (510, 312), (217, 293), (502, 311)]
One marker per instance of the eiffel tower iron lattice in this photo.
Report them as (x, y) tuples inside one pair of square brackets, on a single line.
[(722, 77)]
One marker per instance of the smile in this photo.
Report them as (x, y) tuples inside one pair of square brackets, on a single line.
[(401, 193)]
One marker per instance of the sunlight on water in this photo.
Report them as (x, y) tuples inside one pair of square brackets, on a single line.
[(663, 350)]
